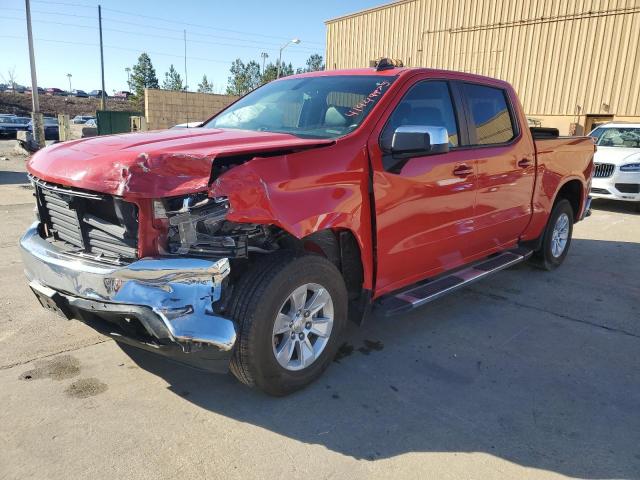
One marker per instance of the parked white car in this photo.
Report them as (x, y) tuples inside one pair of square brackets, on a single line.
[(617, 162)]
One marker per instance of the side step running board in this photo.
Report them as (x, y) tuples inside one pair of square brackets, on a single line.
[(417, 295)]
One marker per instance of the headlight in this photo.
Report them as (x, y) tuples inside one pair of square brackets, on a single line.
[(630, 167)]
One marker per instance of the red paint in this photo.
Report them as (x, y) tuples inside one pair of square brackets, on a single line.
[(428, 220)]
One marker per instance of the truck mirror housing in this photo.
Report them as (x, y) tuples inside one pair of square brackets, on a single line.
[(418, 140)]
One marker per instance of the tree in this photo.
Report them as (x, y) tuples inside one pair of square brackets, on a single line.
[(244, 78), (271, 71), (143, 76), (315, 63), (205, 86), (172, 80)]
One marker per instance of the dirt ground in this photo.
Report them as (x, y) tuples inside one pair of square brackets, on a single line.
[(527, 375)]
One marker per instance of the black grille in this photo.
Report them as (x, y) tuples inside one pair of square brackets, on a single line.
[(601, 191), (628, 187), (95, 224), (604, 170)]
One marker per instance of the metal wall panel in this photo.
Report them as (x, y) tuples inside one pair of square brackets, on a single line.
[(564, 57)]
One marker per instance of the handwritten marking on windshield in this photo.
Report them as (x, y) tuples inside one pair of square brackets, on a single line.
[(359, 107)]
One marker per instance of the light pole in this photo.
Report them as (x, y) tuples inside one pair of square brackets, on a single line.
[(128, 70), (264, 56), (294, 41), (69, 77)]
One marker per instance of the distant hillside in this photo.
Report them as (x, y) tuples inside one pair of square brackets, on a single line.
[(20, 104)]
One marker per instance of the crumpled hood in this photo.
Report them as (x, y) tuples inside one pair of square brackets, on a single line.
[(617, 155), (154, 164)]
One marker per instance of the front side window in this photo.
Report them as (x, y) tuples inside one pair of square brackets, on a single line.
[(308, 107), (427, 103), (628, 137), (490, 115)]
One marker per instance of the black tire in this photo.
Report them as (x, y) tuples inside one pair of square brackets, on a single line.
[(259, 296), (544, 258)]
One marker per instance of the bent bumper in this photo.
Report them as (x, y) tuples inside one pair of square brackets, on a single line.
[(172, 298)]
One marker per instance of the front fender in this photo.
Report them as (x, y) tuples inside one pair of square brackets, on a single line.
[(300, 201)]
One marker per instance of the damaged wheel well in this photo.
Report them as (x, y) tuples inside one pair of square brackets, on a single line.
[(341, 248)]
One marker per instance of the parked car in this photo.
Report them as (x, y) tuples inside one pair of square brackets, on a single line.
[(80, 94), (51, 130), (617, 173), (122, 94), (249, 242), (93, 122), (82, 119), (10, 125), (55, 91), (188, 125), (95, 93)]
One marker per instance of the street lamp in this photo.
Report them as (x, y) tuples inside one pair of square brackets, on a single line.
[(294, 41), (69, 77)]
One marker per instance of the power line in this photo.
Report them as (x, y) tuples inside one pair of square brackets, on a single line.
[(257, 44), (206, 27), (144, 34), (113, 47), (171, 21)]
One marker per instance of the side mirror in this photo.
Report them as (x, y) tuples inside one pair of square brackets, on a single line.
[(418, 140)]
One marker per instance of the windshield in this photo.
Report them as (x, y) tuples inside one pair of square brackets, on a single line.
[(311, 107), (627, 137)]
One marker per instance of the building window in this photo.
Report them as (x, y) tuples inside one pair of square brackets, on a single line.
[(490, 115)]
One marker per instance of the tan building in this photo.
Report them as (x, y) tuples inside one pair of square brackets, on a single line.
[(573, 62)]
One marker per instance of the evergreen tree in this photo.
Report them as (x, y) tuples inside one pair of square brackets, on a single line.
[(271, 71), (244, 77), (172, 80), (205, 86), (315, 63), (143, 76)]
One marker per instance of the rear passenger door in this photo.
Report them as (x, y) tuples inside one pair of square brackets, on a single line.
[(506, 165)]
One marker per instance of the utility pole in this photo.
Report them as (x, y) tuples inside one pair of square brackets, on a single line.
[(36, 116), (103, 99), (186, 80), (69, 77), (128, 70), (264, 56)]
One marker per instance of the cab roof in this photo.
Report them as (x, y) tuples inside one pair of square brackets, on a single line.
[(401, 72)]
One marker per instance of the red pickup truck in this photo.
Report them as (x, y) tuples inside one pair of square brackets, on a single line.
[(249, 242)]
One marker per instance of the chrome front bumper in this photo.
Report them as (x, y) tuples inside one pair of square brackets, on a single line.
[(171, 297)]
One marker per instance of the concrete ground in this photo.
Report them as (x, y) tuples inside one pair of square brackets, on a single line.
[(527, 375)]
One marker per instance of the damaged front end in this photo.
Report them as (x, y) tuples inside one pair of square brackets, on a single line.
[(197, 226)]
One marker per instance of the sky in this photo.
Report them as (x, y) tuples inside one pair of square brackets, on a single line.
[(66, 38)]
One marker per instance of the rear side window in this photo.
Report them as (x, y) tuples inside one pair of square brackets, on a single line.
[(491, 118)]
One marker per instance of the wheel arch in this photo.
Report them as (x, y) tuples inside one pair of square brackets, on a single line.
[(573, 191)]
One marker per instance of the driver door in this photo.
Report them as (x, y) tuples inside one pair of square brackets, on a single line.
[(425, 205)]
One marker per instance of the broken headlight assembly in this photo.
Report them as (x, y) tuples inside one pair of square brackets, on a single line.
[(197, 227)]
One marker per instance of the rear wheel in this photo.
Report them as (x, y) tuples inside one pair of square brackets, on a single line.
[(290, 311), (557, 237)]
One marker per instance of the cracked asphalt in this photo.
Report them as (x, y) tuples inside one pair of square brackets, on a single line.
[(526, 375)]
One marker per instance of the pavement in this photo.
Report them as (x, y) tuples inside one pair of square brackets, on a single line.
[(526, 375)]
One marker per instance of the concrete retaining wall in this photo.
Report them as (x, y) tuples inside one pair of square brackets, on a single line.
[(165, 108)]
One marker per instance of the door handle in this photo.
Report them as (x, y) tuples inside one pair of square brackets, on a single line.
[(462, 170), (524, 163)]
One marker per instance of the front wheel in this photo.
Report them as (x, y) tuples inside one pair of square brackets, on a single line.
[(290, 311), (557, 237)]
